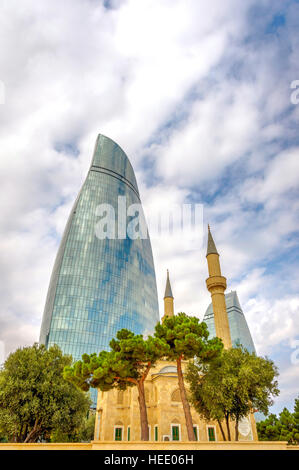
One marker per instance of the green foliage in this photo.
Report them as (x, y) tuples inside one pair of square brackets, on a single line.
[(3, 437), (232, 385), (94, 370), (85, 433), (296, 421), (285, 427), (209, 402), (124, 366), (268, 430), (35, 400), (187, 337)]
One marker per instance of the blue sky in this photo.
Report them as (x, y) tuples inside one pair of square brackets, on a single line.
[(198, 94)]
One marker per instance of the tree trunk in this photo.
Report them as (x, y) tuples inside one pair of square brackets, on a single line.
[(141, 401), (221, 429), (237, 429), (24, 433), (186, 406), (143, 412), (227, 427), (34, 433)]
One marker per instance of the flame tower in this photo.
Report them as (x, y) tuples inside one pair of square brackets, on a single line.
[(99, 286)]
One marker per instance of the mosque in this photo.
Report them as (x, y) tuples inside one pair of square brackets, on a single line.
[(117, 412)]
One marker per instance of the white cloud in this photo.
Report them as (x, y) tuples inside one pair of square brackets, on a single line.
[(218, 131), (272, 322), (192, 88), (280, 176)]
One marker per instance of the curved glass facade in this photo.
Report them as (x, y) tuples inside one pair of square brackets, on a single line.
[(99, 286), (239, 330)]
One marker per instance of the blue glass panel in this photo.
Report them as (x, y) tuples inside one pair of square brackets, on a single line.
[(240, 333), (100, 286)]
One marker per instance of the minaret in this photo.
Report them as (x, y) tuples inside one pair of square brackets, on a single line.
[(216, 285), (168, 299)]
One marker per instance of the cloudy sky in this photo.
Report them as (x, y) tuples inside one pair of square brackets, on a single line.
[(198, 94)]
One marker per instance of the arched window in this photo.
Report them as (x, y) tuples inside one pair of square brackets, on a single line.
[(176, 395)]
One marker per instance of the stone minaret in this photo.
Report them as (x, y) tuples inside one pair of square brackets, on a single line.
[(168, 299), (216, 285)]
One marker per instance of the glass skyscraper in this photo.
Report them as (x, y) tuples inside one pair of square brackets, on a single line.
[(100, 285), (240, 333)]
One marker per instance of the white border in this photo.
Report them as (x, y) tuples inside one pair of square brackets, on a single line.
[(122, 434), (156, 427), (179, 426), (197, 430), (211, 426), (129, 427)]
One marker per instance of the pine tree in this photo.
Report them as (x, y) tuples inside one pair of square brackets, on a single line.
[(187, 338), (269, 429), (126, 365), (296, 421), (285, 427)]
